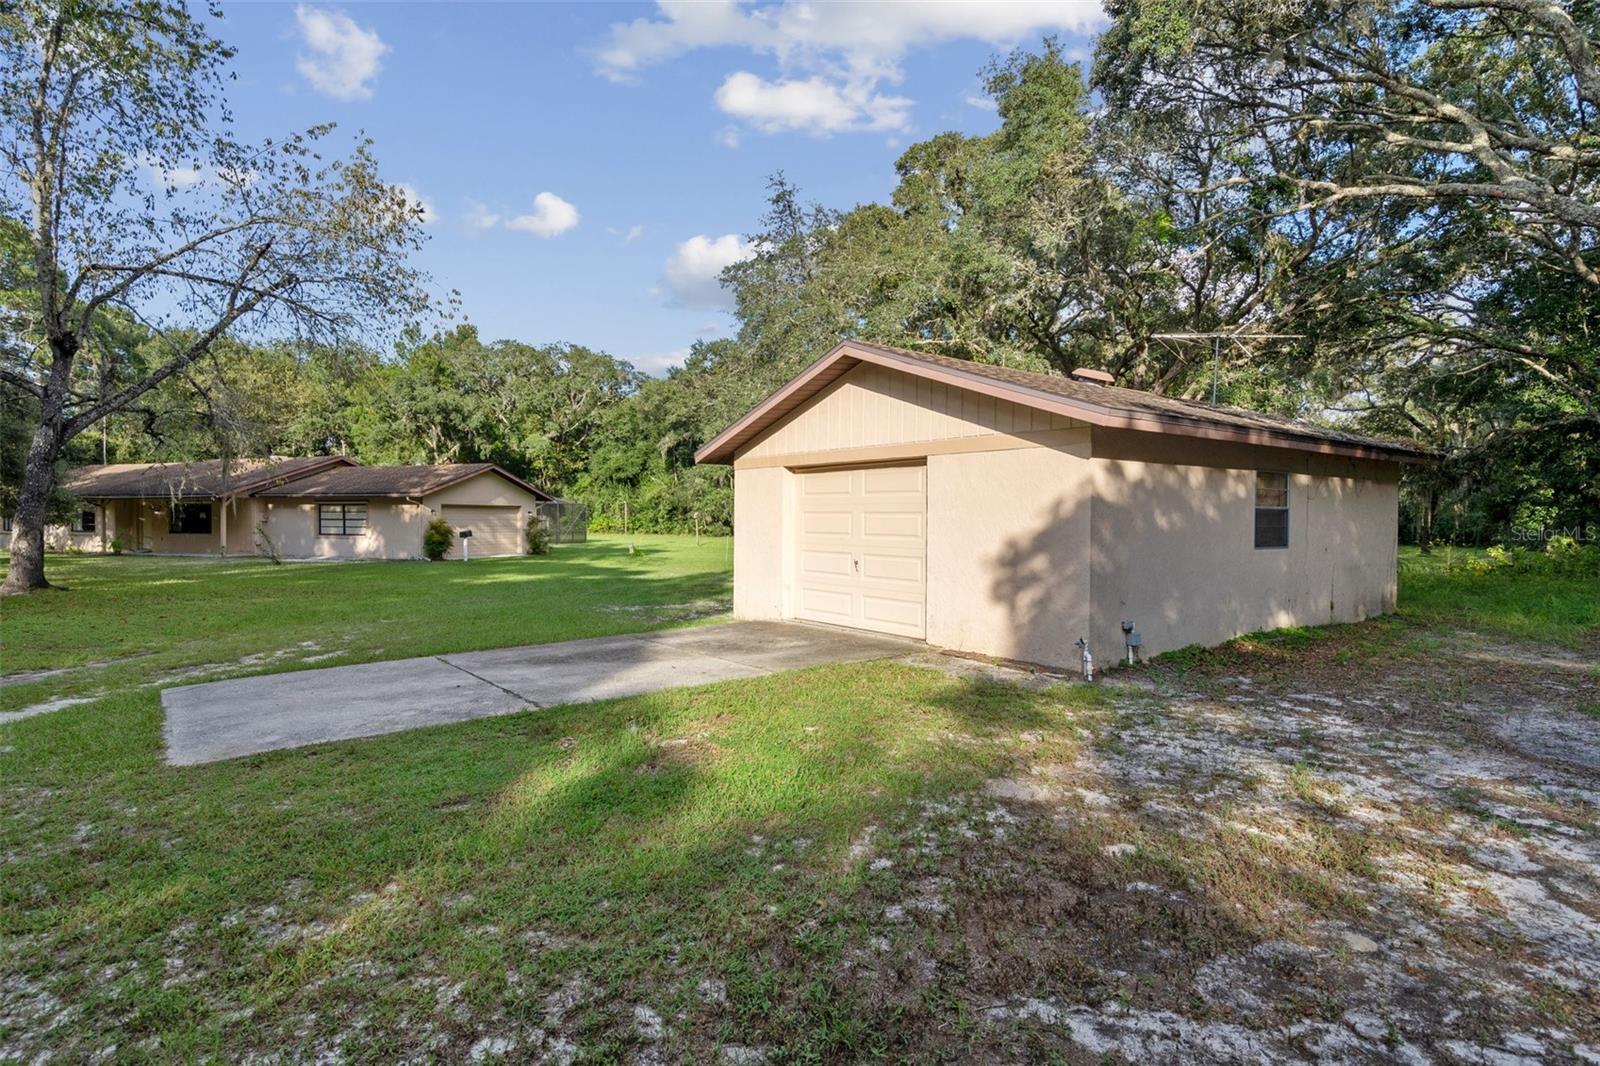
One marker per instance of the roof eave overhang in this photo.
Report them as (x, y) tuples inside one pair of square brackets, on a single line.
[(723, 447), (91, 495), (243, 487)]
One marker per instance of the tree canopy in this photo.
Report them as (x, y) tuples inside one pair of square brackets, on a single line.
[(1385, 213)]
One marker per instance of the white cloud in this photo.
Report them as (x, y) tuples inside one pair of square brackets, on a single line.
[(657, 363), (341, 58), (551, 217), (417, 200), (728, 136), (691, 274), (812, 105), (866, 37), (982, 103), (832, 56), (480, 217)]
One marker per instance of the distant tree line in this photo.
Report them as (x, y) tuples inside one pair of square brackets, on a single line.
[(1391, 205)]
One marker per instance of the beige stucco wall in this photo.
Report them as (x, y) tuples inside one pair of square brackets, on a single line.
[(1041, 533), (1008, 573), (394, 530), (484, 490), (762, 545), (1174, 551)]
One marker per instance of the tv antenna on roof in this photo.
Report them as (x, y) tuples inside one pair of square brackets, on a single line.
[(1216, 337)]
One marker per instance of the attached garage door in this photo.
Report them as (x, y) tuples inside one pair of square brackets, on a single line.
[(862, 548), (495, 530)]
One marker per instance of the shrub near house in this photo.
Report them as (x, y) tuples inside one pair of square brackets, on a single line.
[(437, 539)]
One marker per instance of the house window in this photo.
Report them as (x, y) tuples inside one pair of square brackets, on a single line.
[(190, 518), (83, 522), (5, 523), (341, 519), (1272, 510)]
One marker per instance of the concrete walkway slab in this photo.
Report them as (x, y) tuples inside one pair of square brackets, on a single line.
[(227, 719)]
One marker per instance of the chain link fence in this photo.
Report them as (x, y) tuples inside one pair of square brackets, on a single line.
[(567, 521)]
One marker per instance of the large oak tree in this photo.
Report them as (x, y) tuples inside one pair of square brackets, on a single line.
[(138, 202)]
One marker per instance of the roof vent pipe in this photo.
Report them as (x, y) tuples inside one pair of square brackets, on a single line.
[(1093, 377)]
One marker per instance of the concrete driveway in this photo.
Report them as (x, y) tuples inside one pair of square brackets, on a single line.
[(225, 719)]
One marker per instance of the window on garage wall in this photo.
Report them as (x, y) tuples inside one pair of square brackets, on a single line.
[(1272, 509)]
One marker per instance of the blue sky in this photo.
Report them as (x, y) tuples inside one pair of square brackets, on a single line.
[(588, 167)]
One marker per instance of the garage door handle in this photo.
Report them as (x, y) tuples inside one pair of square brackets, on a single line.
[(857, 564)]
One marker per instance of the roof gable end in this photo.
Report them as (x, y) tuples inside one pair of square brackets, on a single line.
[(1099, 405)]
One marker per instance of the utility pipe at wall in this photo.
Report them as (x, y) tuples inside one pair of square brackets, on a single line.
[(1088, 658)]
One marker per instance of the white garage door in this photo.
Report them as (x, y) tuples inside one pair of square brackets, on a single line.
[(495, 530), (862, 548)]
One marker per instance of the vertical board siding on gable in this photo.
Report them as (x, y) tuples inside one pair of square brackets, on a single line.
[(874, 405)]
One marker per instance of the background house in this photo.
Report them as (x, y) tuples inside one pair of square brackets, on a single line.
[(1010, 513), (325, 507)]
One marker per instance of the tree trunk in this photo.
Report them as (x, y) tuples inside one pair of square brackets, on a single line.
[(1427, 521), (26, 570)]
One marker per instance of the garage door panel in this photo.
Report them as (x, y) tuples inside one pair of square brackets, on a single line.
[(884, 480), (898, 569), (495, 530), (826, 564), (903, 525), (829, 483), (827, 523), (862, 547), (827, 605), (892, 615)]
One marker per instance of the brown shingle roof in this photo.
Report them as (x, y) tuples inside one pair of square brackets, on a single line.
[(1101, 405), (202, 479), (391, 481)]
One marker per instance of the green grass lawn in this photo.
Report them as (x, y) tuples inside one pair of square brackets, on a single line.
[(553, 879), (1441, 588), (638, 848), (152, 618)]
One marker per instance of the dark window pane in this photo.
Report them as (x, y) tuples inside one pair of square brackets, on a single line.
[(190, 518), (1272, 527), (1272, 490)]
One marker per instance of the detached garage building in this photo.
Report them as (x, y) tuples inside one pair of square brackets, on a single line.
[(1009, 513)]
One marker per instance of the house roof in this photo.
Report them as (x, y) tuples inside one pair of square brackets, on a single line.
[(391, 481), (1098, 405), (202, 479)]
